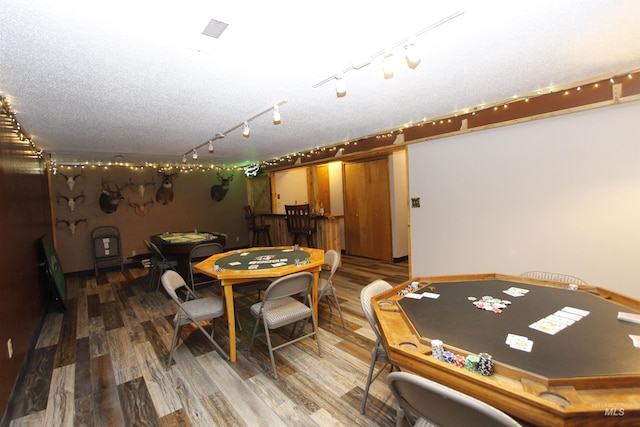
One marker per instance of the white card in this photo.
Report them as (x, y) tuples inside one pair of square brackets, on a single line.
[(235, 263), (413, 296)]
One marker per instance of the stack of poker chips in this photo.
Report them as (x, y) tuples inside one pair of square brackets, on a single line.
[(459, 360), (437, 349), (447, 356), (411, 287), (471, 363), (485, 364)]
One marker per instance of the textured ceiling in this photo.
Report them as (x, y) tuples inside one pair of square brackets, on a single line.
[(92, 80)]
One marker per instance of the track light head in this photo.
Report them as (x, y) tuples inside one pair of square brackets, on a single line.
[(388, 65), (412, 56), (210, 147), (276, 115), (246, 132), (341, 87)]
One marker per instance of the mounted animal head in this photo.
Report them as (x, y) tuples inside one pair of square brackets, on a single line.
[(140, 188), (71, 201), (110, 198), (218, 191), (71, 225), (141, 209), (164, 195), (71, 179)]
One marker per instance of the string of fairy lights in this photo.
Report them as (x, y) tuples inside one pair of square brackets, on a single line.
[(251, 169)]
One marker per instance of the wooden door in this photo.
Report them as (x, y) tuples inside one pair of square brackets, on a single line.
[(259, 190), (367, 210)]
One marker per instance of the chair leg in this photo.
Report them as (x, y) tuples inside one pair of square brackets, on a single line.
[(176, 334), (273, 360), (374, 357), (344, 327)]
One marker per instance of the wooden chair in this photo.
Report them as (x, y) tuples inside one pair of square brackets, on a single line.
[(553, 277), (433, 403), (300, 223), (256, 229)]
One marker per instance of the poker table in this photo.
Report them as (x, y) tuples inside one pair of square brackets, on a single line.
[(246, 265), (574, 362), (179, 244)]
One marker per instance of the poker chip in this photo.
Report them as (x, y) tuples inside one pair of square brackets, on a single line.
[(485, 364), (471, 363), (437, 349), (459, 360), (447, 356), (490, 303)]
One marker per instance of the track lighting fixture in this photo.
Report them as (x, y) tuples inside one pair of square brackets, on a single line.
[(246, 131), (388, 65), (341, 87), (412, 56), (387, 56)]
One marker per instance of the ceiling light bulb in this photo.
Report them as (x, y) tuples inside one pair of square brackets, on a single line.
[(195, 154), (246, 132), (211, 146), (184, 159), (388, 65), (276, 115), (341, 87), (412, 56)]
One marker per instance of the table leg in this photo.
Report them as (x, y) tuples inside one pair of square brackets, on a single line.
[(231, 320)]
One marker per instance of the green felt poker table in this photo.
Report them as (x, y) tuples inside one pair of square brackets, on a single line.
[(179, 244)]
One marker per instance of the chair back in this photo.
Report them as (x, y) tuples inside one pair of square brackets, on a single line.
[(292, 284), (205, 250), (442, 405), (156, 250), (299, 218), (372, 289), (171, 281), (249, 217), (553, 277), (332, 259)]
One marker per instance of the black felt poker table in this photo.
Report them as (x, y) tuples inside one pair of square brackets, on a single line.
[(597, 344), (583, 373)]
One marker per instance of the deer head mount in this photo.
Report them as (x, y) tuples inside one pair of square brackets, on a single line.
[(71, 179), (164, 195), (110, 198), (71, 201), (141, 188), (141, 209), (218, 191), (71, 225)]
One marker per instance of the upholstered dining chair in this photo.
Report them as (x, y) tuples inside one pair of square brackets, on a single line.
[(191, 310), (378, 352), (425, 403), (256, 230), (197, 254), (279, 308), (299, 223)]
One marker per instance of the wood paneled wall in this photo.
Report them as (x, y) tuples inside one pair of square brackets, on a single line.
[(25, 217)]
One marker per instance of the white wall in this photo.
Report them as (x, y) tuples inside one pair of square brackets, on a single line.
[(291, 188), (399, 203), (560, 194)]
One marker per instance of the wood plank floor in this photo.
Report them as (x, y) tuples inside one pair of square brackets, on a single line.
[(102, 363)]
